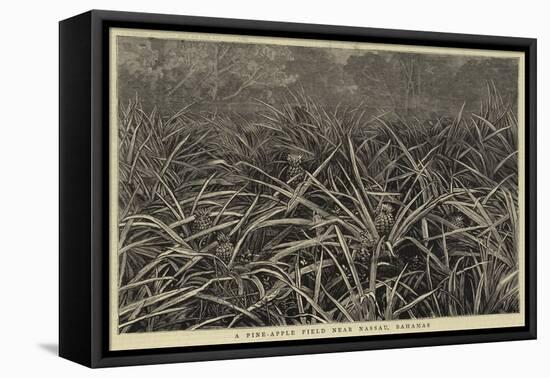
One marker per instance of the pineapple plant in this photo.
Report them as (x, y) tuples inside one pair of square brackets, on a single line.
[(262, 255), (366, 240), (363, 257), (301, 115), (224, 248), (239, 299), (367, 243), (202, 220), (303, 258), (417, 263), (414, 262), (457, 220), (267, 281), (245, 257), (347, 271), (294, 166), (337, 210), (384, 220)]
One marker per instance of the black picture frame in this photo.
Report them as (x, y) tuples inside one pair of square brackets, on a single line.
[(83, 181)]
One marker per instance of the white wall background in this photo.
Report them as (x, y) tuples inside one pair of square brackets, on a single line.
[(29, 189)]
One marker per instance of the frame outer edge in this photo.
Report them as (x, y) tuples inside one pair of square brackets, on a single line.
[(75, 336), (97, 62), (99, 149), (531, 180)]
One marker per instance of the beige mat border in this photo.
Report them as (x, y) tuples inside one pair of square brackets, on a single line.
[(231, 336)]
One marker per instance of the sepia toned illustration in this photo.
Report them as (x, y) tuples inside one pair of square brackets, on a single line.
[(270, 184)]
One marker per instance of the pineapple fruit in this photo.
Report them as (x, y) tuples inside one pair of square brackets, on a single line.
[(294, 166), (457, 220), (202, 220), (267, 281), (366, 245), (384, 219), (303, 258), (366, 240), (224, 249), (245, 257), (347, 271)]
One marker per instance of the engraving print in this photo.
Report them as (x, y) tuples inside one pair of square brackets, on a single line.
[(277, 185)]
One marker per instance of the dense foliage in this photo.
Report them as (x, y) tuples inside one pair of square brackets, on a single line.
[(312, 215)]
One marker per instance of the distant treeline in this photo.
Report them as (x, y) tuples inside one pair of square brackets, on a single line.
[(170, 74)]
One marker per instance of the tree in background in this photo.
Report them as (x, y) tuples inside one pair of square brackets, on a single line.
[(471, 79), (398, 81), (167, 71), (320, 74), (405, 82)]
